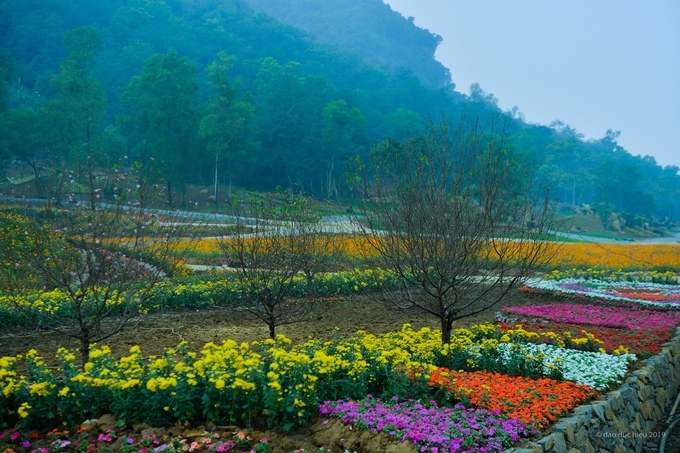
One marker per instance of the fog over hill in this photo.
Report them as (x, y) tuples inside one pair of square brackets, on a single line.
[(369, 29)]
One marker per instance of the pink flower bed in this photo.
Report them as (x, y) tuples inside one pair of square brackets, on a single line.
[(629, 317)]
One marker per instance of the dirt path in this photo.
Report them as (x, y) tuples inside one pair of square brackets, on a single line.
[(155, 332)]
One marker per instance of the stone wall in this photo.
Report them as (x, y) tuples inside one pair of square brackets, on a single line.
[(624, 420)]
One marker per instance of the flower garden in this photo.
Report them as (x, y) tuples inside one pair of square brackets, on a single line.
[(491, 387), (279, 384)]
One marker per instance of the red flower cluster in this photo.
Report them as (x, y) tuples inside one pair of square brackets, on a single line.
[(538, 402)]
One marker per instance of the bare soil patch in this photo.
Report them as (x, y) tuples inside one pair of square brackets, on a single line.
[(155, 332)]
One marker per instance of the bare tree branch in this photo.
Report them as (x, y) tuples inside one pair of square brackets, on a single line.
[(278, 253), (457, 215), (103, 260)]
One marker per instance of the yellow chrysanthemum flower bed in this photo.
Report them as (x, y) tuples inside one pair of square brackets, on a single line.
[(273, 381)]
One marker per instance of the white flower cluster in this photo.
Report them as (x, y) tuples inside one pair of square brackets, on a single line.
[(595, 369)]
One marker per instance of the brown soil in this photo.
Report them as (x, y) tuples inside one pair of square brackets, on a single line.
[(155, 332)]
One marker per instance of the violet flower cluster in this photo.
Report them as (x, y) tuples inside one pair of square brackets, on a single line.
[(628, 317), (429, 427)]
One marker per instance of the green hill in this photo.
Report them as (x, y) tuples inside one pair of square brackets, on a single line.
[(269, 92)]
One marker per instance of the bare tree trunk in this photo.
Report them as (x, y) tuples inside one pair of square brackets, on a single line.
[(446, 329), (217, 184), (169, 190), (329, 176), (84, 346), (33, 163), (91, 183)]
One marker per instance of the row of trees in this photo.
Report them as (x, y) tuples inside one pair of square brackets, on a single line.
[(452, 215), (602, 174), (163, 120)]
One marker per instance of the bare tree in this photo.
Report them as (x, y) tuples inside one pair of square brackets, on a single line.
[(456, 215), (103, 261), (277, 255)]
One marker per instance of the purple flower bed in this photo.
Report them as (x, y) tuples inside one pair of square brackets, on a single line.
[(429, 427), (629, 317)]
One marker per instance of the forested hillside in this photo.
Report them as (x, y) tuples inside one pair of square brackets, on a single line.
[(192, 85)]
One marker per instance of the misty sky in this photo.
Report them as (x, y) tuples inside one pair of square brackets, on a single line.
[(595, 65)]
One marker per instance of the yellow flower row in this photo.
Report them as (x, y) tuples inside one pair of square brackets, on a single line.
[(209, 289), (273, 377), (51, 302), (357, 247)]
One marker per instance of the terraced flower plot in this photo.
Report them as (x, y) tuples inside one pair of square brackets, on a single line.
[(492, 386)]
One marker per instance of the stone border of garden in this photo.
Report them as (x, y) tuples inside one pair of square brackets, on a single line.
[(625, 419)]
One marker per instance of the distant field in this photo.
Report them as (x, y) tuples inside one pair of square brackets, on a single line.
[(582, 255), (618, 256)]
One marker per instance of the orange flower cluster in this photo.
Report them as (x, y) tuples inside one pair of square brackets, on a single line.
[(651, 295), (538, 402), (560, 255), (565, 255), (354, 247), (616, 256)]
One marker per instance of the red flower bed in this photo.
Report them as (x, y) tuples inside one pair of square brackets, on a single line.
[(538, 402)]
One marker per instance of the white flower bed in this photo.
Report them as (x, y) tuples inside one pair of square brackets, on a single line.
[(594, 369)]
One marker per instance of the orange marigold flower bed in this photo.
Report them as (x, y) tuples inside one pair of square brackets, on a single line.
[(538, 402)]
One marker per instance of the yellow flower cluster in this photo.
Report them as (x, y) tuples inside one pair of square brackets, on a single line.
[(38, 301), (10, 382), (228, 365), (204, 247), (273, 377), (207, 289), (519, 335), (51, 302)]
